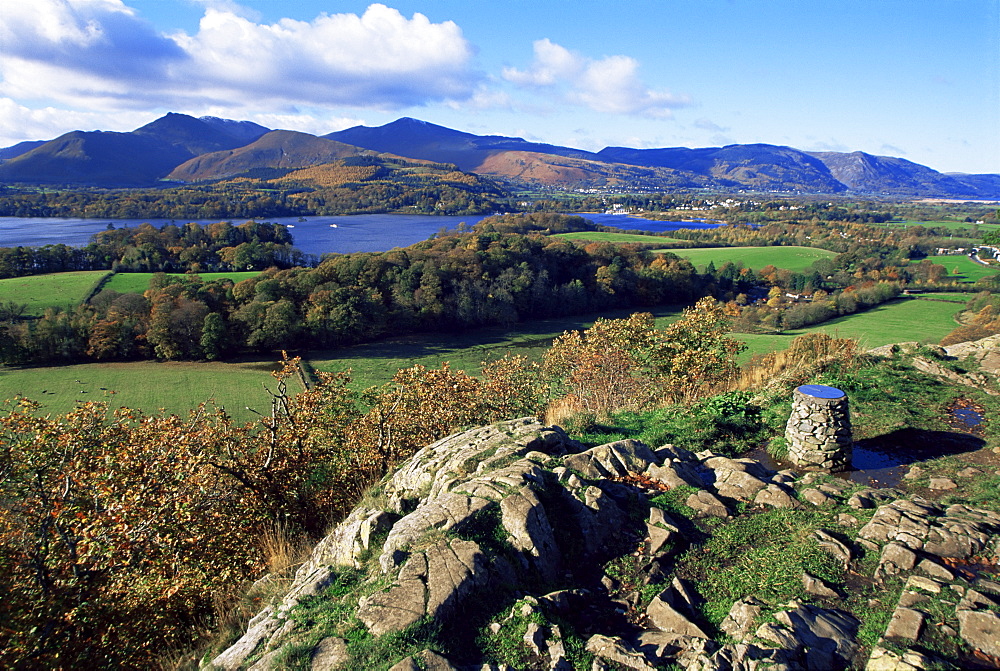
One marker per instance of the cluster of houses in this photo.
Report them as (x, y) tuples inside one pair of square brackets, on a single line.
[(981, 254)]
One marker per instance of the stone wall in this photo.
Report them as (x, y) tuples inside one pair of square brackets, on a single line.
[(819, 429)]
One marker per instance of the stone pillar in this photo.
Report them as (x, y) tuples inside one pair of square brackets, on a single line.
[(819, 429)]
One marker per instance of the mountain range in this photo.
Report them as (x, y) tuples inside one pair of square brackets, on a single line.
[(182, 149)]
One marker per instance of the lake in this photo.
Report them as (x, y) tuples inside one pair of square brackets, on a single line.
[(314, 235)]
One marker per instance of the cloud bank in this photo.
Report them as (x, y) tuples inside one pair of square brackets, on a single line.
[(101, 53), (610, 84)]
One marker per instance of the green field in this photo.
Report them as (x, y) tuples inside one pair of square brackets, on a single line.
[(599, 236), (147, 385), (179, 386), (374, 363), (969, 270), (942, 223), (901, 320), (39, 292), (137, 283), (795, 259)]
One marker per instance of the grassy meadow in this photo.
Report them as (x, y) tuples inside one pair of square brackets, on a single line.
[(795, 259), (39, 292), (601, 236), (968, 270), (375, 363), (137, 283), (940, 223), (901, 320), (147, 385), (179, 386)]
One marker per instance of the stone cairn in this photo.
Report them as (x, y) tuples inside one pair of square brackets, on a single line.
[(819, 429)]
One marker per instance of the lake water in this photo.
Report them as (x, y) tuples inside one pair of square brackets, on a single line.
[(315, 235)]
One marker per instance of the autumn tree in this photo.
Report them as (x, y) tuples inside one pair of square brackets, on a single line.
[(629, 363)]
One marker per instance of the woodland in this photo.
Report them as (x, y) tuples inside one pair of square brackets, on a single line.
[(124, 535)]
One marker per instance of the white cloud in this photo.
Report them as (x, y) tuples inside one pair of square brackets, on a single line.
[(609, 85), (553, 64), (101, 54), (18, 123)]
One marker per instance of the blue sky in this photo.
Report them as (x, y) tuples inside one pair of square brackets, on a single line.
[(919, 79)]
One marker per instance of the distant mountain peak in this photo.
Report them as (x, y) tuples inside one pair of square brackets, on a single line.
[(210, 147)]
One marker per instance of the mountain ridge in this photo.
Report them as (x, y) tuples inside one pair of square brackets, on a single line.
[(184, 148)]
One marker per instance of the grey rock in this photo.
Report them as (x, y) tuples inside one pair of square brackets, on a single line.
[(435, 662), (739, 622), (833, 546), (909, 598), (663, 613), (922, 583), (659, 645), (404, 604), (896, 558), (445, 512), (976, 600), (942, 483), (260, 630), (329, 654), (861, 501), (828, 637), (886, 660), (988, 585), (981, 630), (616, 650), (776, 496), (455, 569), (614, 459), (268, 661), (816, 497), (524, 519), (906, 624), (658, 537), (675, 473), (817, 587), (706, 504), (935, 570), (534, 638), (738, 484), (407, 664), (749, 466), (672, 452)]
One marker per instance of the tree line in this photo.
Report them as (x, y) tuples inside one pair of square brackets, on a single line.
[(452, 283), (119, 529), (346, 186), (187, 247)]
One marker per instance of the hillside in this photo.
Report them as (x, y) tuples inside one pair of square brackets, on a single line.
[(280, 149), (180, 147), (863, 172), (516, 546), (139, 158), (758, 166), (523, 167), (418, 139)]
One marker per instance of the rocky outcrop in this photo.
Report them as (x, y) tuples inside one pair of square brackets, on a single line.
[(512, 529), (983, 355)]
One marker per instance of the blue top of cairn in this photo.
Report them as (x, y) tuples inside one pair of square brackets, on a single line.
[(821, 391)]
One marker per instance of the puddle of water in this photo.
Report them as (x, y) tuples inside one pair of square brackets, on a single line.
[(874, 468), (882, 462), (870, 468), (968, 419)]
